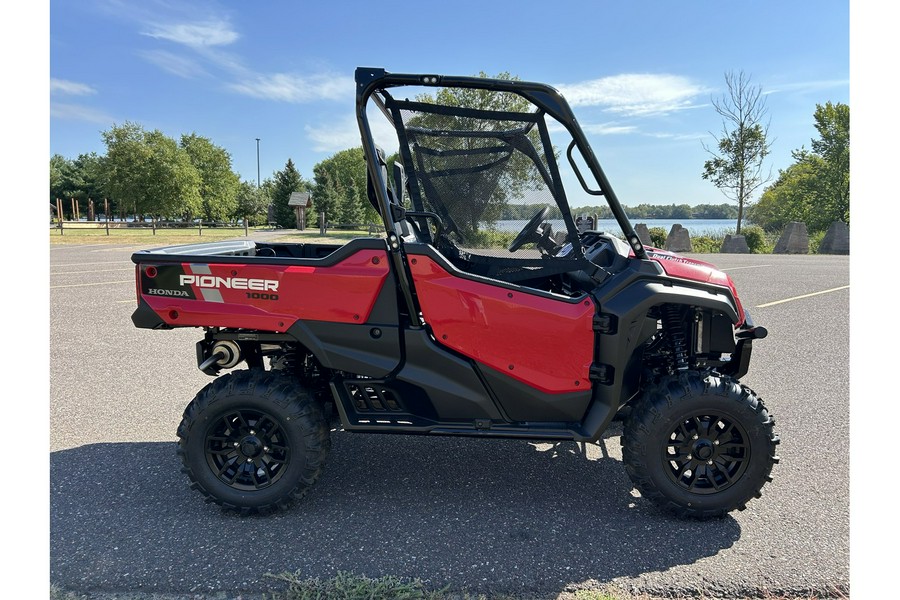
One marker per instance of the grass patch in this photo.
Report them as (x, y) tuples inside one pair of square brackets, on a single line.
[(58, 593), (346, 586), (353, 587), (171, 237), (335, 236), (145, 236)]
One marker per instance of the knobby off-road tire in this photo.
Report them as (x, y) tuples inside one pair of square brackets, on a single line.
[(253, 441), (699, 445)]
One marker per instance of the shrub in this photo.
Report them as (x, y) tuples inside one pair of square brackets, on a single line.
[(658, 237), (815, 240), (705, 244), (756, 239)]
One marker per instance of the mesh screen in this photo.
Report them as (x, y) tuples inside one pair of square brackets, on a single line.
[(485, 173)]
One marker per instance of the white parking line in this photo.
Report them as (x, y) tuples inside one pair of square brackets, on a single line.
[(843, 287), (747, 267), (53, 287), (94, 271), (84, 264)]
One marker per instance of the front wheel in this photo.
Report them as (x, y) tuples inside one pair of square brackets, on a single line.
[(253, 441), (699, 445)]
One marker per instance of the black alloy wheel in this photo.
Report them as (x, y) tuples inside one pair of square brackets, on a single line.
[(707, 453), (247, 449)]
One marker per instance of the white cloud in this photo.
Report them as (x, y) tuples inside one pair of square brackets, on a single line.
[(195, 35), (343, 134), (635, 94), (75, 112), (608, 129), (809, 86), (72, 88), (174, 64), (679, 137), (297, 89)]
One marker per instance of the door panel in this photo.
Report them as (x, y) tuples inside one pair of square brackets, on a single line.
[(544, 342)]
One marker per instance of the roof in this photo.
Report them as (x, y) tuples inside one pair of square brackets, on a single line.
[(299, 199)]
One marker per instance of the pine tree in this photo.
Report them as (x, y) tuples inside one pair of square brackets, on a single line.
[(287, 181)]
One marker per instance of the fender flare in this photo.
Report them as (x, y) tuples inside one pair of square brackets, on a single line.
[(628, 306)]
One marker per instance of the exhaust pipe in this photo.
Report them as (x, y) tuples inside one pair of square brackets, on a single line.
[(225, 354)]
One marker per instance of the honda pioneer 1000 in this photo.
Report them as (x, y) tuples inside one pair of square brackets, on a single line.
[(449, 325)]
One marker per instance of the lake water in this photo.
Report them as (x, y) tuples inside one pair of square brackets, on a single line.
[(696, 227)]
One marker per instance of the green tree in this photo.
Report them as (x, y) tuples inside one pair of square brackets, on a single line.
[(833, 146), (792, 197), (62, 173), (150, 173), (327, 195), (736, 166), (340, 182), (715, 211), (351, 208), (80, 179), (218, 183), (286, 181), (816, 188), (252, 203)]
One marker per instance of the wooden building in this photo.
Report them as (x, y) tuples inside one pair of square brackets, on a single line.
[(301, 202)]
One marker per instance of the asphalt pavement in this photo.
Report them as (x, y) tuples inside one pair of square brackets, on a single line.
[(486, 516)]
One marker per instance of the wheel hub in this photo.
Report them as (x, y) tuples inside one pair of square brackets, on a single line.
[(251, 446), (704, 450)]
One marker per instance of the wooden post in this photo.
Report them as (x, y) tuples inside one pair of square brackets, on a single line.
[(153, 224), (321, 223), (106, 212), (59, 215), (246, 230)]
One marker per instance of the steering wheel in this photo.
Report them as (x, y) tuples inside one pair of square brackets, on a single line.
[(529, 232)]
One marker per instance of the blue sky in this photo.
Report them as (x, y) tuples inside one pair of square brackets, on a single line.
[(640, 75)]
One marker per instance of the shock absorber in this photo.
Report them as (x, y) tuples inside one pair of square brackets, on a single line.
[(287, 359), (674, 330)]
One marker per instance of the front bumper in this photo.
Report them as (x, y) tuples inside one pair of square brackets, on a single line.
[(739, 364)]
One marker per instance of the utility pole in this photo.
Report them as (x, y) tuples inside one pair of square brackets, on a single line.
[(257, 163)]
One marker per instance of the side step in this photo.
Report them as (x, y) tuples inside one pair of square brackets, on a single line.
[(373, 405), (376, 406)]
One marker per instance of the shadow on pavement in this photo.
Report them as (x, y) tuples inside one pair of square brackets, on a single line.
[(505, 516)]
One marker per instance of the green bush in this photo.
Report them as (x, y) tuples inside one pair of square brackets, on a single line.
[(815, 240), (757, 239), (658, 237), (706, 244)]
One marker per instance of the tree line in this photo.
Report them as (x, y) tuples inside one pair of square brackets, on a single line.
[(641, 211), (146, 173)]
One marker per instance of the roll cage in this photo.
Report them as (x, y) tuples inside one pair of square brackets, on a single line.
[(524, 132)]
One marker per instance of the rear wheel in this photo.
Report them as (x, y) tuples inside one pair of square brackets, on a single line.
[(699, 445), (253, 441)]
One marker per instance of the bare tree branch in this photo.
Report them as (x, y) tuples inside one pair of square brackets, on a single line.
[(736, 163)]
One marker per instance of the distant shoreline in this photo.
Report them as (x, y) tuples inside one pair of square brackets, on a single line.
[(711, 227)]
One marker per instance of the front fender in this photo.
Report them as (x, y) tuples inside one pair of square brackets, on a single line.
[(624, 304)]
